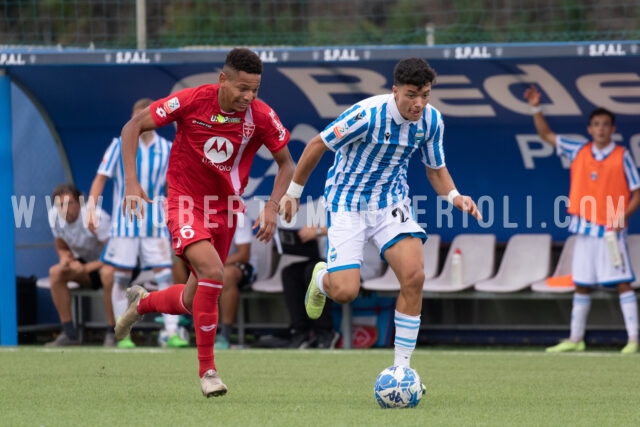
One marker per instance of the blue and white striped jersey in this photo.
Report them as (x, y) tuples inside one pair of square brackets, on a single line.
[(152, 163), (373, 145), (569, 147)]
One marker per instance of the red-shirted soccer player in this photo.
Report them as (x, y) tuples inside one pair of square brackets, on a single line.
[(219, 130)]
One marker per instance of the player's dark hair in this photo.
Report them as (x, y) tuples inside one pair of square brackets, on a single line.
[(242, 59), (413, 71), (142, 103), (66, 188), (602, 112)]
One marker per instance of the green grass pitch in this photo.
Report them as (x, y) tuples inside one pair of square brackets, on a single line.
[(91, 386)]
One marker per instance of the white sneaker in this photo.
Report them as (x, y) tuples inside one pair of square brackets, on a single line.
[(212, 385), (131, 316)]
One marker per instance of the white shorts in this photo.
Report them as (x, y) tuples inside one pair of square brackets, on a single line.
[(349, 231), (123, 252), (592, 265)]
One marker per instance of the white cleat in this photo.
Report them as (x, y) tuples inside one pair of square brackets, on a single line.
[(131, 316), (212, 385)]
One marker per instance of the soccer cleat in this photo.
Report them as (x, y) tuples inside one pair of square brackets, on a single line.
[(424, 389), (176, 342), (63, 340), (131, 316), (126, 343), (222, 343), (565, 346), (314, 299), (212, 385), (327, 339), (630, 348)]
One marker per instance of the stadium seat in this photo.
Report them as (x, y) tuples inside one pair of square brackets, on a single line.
[(273, 284), (478, 254), (563, 268), (389, 283), (266, 287), (527, 259), (633, 246)]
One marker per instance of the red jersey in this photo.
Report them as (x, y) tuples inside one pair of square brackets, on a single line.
[(213, 150)]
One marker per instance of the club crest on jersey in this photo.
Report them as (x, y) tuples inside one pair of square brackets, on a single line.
[(247, 129), (218, 149), (219, 118)]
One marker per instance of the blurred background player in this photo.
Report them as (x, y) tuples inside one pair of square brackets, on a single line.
[(79, 250), (220, 127), (605, 173), (367, 194), (239, 272), (144, 241)]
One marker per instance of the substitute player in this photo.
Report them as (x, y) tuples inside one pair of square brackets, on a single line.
[(604, 173), (374, 140), (219, 130)]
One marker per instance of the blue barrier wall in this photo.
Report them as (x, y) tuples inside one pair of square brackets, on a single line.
[(490, 142)]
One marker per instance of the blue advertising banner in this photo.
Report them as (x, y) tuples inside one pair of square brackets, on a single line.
[(491, 146)]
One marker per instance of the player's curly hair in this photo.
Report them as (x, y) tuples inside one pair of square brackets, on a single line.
[(413, 71), (242, 59), (67, 188)]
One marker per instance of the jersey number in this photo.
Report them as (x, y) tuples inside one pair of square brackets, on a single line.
[(187, 232)]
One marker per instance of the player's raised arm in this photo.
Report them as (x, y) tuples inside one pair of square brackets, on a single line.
[(443, 185), (308, 161), (532, 94), (130, 133)]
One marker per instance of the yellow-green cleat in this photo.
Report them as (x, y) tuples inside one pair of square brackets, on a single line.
[(566, 346), (126, 343), (314, 299), (175, 341), (630, 348)]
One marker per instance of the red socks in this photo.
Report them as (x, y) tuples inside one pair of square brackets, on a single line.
[(205, 319), (168, 301)]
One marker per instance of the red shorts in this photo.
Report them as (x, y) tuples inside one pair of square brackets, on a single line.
[(188, 227)]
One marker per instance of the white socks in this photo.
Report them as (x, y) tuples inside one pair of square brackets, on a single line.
[(629, 306), (579, 312), (407, 328), (320, 280), (121, 281)]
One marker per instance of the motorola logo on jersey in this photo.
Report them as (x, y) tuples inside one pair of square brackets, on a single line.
[(218, 149)]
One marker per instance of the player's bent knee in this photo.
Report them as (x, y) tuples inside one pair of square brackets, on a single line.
[(345, 294)]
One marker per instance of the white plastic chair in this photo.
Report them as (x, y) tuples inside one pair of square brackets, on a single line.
[(389, 283), (563, 268), (527, 259), (478, 255), (633, 246), (273, 284)]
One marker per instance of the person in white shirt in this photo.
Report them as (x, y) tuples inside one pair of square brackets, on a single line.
[(79, 251)]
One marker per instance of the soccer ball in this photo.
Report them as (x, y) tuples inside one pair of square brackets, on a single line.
[(398, 387)]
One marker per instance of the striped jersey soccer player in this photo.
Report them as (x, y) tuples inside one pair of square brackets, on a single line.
[(146, 241), (220, 127), (373, 142)]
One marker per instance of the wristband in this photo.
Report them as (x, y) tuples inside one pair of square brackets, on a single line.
[(452, 195), (536, 109), (295, 190)]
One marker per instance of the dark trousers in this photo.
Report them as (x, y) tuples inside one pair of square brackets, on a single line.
[(295, 279)]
